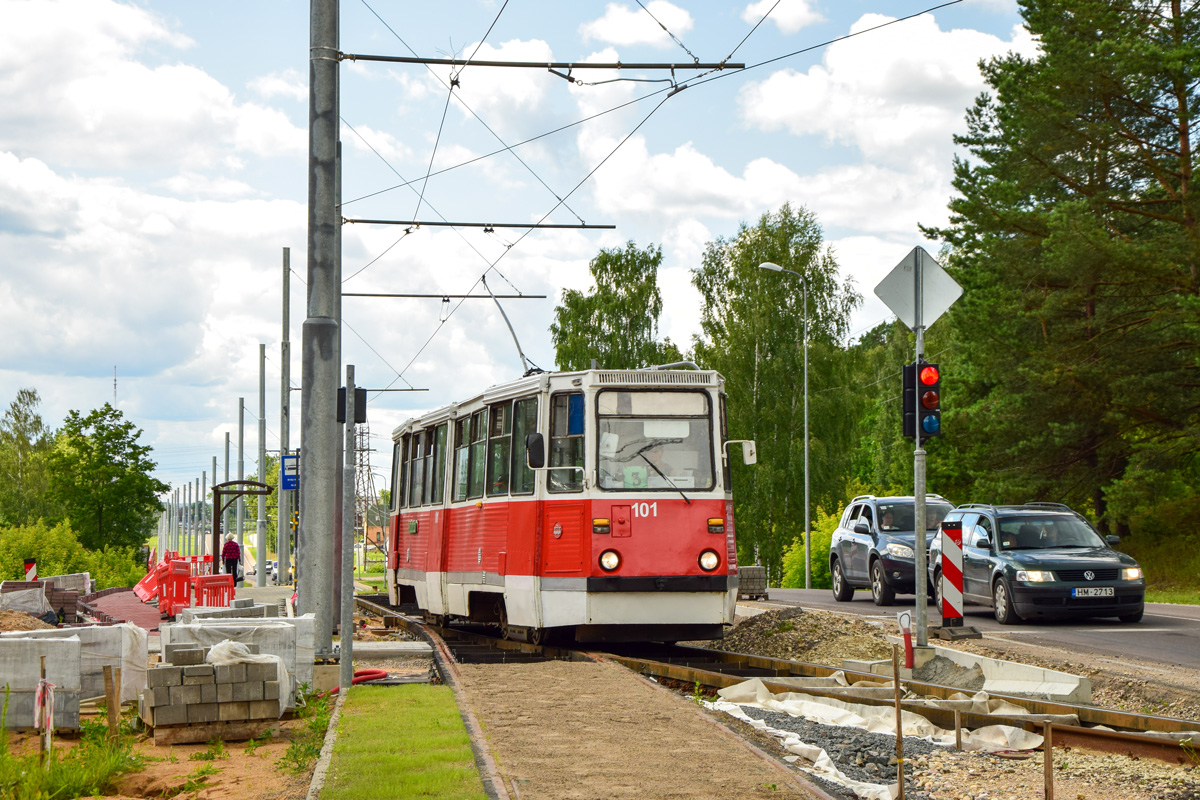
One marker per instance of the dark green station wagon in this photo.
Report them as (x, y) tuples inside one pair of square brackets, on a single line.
[(1041, 560)]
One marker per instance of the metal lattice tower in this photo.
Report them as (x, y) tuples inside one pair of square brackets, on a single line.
[(364, 495)]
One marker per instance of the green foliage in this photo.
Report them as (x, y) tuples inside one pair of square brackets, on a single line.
[(753, 329), (90, 768), (59, 552), (216, 751), (306, 742), (25, 443), (793, 554), (1074, 237), (102, 477), (617, 324)]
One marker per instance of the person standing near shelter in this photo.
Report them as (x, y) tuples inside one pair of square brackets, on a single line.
[(231, 554)]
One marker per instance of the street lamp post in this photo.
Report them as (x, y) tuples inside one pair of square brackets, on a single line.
[(767, 265)]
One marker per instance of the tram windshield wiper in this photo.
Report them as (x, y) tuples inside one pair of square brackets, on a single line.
[(654, 466)]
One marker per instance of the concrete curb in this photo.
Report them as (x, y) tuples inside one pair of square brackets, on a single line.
[(1008, 677), (318, 778)]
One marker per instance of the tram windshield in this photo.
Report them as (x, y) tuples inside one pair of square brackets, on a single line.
[(654, 440)]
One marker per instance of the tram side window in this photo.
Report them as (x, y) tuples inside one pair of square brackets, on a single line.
[(478, 453), (435, 465), (416, 494), (462, 457), (524, 422), (397, 484), (566, 442), (499, 446)]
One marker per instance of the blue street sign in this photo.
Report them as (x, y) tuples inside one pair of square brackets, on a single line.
[(291, 473)]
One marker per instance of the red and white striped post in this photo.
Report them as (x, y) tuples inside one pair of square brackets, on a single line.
[(31, 569), (952, 574)]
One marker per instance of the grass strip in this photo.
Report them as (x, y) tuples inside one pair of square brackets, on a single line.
[(402, 741)]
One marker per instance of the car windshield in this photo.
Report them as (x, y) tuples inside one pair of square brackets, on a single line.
[(1042, 533), (898, 516)]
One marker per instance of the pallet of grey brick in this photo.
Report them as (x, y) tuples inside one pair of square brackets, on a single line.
[(123, 646), (20, 670), (290, 639)]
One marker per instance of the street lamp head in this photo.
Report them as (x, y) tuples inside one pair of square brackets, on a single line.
[(770, 266)]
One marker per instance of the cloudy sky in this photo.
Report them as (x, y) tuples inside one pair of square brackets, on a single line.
[(153, 163)]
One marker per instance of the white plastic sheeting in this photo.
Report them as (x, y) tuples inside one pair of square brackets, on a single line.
[(31, 601), (290, 639), (20, 671), (877, 719), (123, 646), (231, 652)]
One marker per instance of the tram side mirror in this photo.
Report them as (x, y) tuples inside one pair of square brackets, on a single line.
[(535, 450), (749, 450)]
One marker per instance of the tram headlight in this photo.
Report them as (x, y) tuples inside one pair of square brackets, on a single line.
[(709, 561), (609, 560)]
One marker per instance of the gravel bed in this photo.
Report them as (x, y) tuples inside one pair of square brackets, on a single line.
[(861, 755)]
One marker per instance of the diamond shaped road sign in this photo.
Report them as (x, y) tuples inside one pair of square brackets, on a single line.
[(918, 290)]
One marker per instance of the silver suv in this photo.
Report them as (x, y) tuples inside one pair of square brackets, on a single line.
[(873, 545)]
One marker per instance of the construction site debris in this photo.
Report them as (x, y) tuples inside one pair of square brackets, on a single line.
[(21, 621)]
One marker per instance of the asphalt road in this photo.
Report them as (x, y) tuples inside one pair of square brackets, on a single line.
[(1168, 634)]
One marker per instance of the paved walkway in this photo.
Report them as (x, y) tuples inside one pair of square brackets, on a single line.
[(126, 607)]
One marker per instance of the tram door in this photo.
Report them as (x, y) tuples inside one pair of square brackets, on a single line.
[(562, 539)]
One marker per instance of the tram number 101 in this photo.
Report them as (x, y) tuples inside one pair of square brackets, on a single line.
[(645, 509)]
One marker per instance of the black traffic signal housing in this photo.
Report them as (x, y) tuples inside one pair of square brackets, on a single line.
[(922, 398)]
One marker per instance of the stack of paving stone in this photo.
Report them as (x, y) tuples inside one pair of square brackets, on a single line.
[(238, 609), (187, 691)]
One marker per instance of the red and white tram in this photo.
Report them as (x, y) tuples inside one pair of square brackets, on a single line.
[(593, 504)]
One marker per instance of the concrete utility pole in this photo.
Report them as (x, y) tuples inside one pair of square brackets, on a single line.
[(208, 527), (346, 629), (260, 541), (225, 513), (284, 524), (241, 501), (319, 375)]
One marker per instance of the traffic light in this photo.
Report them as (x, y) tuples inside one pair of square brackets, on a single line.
[(922, 398)]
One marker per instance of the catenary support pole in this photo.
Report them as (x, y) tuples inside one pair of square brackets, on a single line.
[(225, 513), (241, 501), (283, 523), (260, 539), (346, 629), (212, 516), (319, 357)]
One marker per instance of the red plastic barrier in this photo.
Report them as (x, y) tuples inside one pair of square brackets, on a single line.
[(214, 590), (178, 594), (147, 588)]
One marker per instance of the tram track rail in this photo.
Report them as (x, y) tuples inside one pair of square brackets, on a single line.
[(1100, 730)]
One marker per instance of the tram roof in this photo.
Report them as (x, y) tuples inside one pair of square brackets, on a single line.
[(590, 378)]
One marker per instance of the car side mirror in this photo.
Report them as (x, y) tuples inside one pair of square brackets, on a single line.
[(1112, 539), (861, 527), (984, 541), (535, 450)]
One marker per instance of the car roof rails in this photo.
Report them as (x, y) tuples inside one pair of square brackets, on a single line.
[(1044, 504)]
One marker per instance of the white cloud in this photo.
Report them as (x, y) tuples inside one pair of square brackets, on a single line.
[(75, 96), (289, 83), (789, 16), (626, 25), (895, 95)]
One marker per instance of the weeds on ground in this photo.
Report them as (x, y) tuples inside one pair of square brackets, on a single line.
[(89, 768), (216, 750), (307, 740), (252, 745), (196, 780)]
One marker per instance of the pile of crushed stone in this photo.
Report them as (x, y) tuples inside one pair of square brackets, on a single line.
[(815, 637), (20, 621)]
